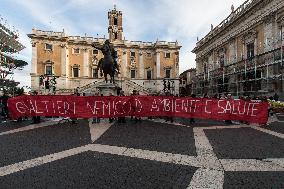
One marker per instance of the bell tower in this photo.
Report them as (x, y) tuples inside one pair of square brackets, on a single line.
[(115, 25)]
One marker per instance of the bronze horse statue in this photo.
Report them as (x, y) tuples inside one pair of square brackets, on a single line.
[(108, 64)]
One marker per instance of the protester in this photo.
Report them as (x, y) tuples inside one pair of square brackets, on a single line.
[(35, 119), (192, 119), (169, 118), (121, 119), (229, 97), (111, 119), (276, 97), (73, 119)]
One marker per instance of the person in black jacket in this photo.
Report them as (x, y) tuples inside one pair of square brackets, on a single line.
[(192, 119), (36, 119), (121, 119)]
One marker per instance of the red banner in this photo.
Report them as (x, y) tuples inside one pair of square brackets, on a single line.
[(141, 106)]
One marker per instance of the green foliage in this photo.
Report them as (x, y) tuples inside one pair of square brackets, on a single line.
[(20, 64), (15, 91)]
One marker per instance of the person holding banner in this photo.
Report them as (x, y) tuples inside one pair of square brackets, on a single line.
[(36, 119), (192, 119), (229, 97), (121, 119)]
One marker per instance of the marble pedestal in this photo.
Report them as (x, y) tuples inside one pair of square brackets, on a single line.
[(107, 89)]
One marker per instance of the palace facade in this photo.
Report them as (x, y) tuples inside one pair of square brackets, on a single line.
[(144, 66), (187, 85), (243, 55)]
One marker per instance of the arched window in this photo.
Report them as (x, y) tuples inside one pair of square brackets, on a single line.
[(115, 21)]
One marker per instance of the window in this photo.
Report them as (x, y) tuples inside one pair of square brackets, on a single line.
[(48, 47), (76, 51), (149, 55), (48, 70), (167, 55), (75, 72), (95, 51), (132, 54), (95, 73), (115, 21), (250, 51), (115, 35), (149, 74), (168, 73), (132, 74)]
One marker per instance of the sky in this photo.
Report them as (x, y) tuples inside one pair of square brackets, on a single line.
[(143, 20)]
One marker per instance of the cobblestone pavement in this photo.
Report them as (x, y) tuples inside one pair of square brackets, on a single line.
[(150, 154)]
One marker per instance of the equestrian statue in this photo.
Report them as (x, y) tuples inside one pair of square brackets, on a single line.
[(108, 64)]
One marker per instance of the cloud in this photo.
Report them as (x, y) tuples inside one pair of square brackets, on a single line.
[(147, 20)]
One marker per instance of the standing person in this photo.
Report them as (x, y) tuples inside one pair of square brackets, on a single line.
[(36, 119), (121, 119), (169, 118), (73, 119), (111, 119), (96, 119), (137, 119), (276, 97), (229, 97), (192, 119), (2, 111)]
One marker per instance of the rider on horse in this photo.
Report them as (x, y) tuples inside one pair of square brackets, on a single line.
[(107, 47)]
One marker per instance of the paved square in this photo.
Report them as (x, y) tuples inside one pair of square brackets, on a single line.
[(254, 180), (20, 146), (245, 143), (98, 170), (151, 154), (151, 136)]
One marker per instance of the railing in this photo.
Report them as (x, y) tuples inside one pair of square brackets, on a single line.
[(254, 73), (90, 86), (48, 33), (138, 87), (259, 61)]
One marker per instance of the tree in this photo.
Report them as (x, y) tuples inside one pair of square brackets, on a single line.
[(7, 67)]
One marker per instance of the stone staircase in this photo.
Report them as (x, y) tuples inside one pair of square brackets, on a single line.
[(131, 85), (127, 85), (91, 88)]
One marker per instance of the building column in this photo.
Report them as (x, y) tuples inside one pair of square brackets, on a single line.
[(85, 63), (63, 80), (34, 77), (158, 65), (124, 64), (34, 58), (67, 68), (141, 66), (63, 60), (177, 65)]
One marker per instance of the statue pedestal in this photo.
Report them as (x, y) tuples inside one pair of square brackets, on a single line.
[(107, 89)]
